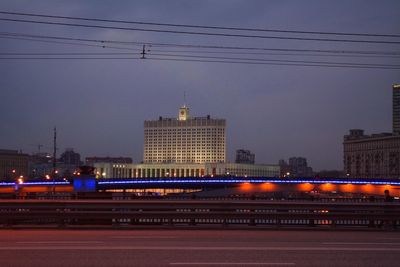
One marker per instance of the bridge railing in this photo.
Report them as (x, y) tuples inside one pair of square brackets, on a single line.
[(133, 196), (197, 213)]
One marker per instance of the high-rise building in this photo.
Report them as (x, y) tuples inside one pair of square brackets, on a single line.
[(396, 108), (184, 139), (244, 156), (184, 147)]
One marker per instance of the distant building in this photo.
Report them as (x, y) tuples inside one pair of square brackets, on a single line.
[(184, 147), (40, 164), (297, 167), (371, 156), (284, 168), (40, 158), (244, 156), (184, 139), (90, 161), (13, 164), (69, 157), (375, 155)]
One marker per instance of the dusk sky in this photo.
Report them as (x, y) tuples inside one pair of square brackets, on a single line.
[(276, 111)]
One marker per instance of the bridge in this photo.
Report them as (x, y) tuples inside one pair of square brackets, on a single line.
[(239, 185), (125, 210)]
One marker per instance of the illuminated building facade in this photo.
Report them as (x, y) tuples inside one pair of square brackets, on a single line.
[(184, 139), (163, 170), (371, 156), (184, 147)]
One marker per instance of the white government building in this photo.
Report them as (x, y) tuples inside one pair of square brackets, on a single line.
[(184, 147)]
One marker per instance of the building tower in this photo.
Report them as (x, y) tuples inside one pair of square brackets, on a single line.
[(183, 113), (396, 109)]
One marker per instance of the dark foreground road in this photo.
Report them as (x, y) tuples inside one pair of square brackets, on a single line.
[(197, 248)]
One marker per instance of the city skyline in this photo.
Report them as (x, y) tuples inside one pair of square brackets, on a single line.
[(274, 111)]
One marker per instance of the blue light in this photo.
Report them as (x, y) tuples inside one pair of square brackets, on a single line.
[(6, 184), (46, 183), (238, 180)]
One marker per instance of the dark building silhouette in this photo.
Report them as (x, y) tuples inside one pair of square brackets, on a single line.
[(284, 168), (297, 167), (69, 157), (244, 156)]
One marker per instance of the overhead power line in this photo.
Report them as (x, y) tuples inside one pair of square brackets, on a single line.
[(195, 56), (199, 26), (275, 64), (273, 54), (76, 56), (204, 61), (197, 46), (276, 60), (202, 33), (65, 43), (66, 54), (188, 52)]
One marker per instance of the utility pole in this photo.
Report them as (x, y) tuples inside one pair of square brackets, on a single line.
[(143, 52), (54, 159), (54, 150)]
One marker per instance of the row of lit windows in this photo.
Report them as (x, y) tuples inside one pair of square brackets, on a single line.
[(184, 129), (372, 145), (188, 142), (173, 148), (200, 137), (185, 141)]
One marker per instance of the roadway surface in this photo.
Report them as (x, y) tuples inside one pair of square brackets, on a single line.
[(198, 248)]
